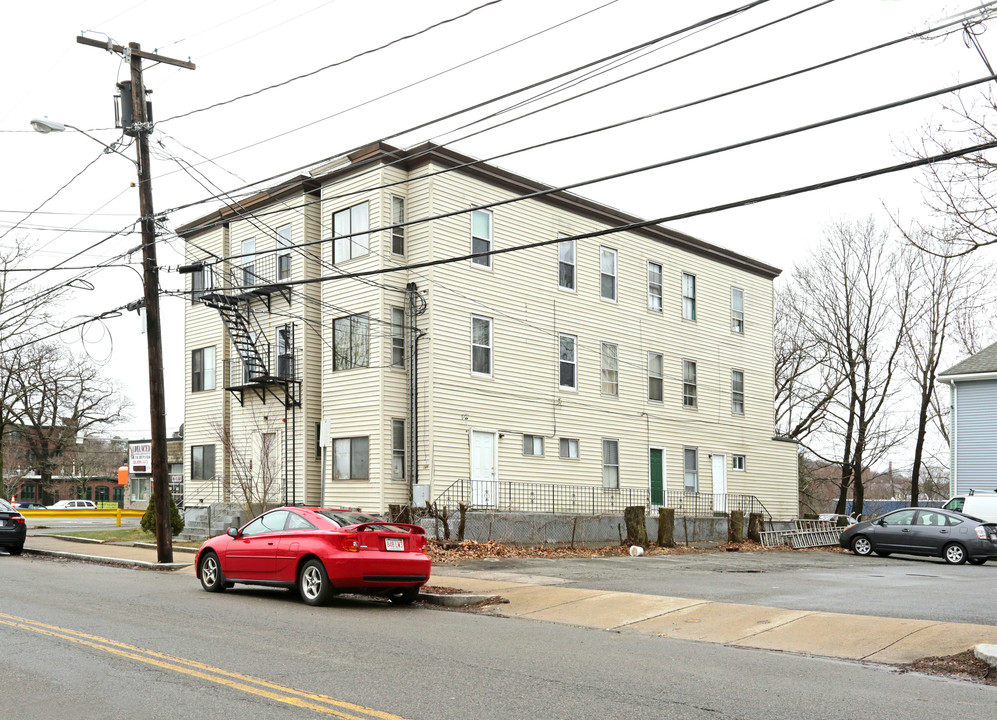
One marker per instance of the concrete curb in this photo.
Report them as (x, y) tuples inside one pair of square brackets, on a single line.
[(987, 653), (176, 548), (120, 562), (457, 599)]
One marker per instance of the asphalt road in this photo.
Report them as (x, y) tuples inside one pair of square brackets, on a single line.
[(90, 641), (898, 586)]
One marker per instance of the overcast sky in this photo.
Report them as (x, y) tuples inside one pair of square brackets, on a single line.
[(242, 47)]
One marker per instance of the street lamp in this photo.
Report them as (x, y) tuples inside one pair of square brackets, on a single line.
[(150, 282), (46, 126)]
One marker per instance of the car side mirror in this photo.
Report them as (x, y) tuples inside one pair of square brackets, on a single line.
[(233, 532)]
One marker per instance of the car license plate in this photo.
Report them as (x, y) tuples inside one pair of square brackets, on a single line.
[(396, 544), (2, 523)]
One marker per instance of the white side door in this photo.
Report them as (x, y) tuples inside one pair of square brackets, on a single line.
[(484, 471), (719, 482)]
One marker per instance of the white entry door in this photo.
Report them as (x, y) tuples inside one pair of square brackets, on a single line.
[(719, 483), (484, 475)]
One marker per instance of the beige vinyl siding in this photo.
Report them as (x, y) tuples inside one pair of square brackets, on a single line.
[(528, 311), (203, 410)]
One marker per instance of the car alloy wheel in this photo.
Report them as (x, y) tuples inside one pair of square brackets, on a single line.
[(212, 579), (861, 545), (955, 554), (313, 583)]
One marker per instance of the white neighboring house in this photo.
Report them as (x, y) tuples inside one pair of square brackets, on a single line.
[(972, 427), (634, 367)]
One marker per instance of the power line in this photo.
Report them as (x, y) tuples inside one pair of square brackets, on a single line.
[(335, 64), (674, 108), (497, 98)]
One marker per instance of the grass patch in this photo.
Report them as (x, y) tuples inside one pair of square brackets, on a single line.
[(133, 534)]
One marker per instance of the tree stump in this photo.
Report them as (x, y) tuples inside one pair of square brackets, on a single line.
[(735, 526), (756, 526), (666, 527), (633, 516)]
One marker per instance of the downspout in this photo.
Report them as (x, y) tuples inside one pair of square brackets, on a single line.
[(413, 392)]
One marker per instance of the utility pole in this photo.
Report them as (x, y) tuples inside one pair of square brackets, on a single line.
[(141, 128)]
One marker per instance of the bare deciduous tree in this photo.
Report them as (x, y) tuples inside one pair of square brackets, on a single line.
[(57, 397), (852, 327), (255, 460)]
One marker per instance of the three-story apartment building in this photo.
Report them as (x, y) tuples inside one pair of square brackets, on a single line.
[(338, 354)]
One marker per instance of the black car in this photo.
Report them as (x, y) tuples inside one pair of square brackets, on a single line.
[(12, 529), (924, 531), (28, 505)]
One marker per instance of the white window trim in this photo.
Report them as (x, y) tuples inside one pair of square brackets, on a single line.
[(615, 275), (574, 361), (695, 385), (574, 265), (744, 463), (660, 295), (490, 346), (477, 262), (352, 236), (660, 378), (733, 409), (605, 465), (533, 445), (398, 231), (733, 318), (685, 487), (602, 369), (692, 297)]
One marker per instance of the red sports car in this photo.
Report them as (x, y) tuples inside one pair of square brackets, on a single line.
[(321, 552)]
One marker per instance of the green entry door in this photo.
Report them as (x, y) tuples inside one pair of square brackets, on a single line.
[(657, 463)]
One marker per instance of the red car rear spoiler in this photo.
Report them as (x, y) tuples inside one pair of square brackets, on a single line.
[(415, 529)]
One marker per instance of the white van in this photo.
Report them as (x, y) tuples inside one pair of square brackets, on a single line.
[(980, 506)]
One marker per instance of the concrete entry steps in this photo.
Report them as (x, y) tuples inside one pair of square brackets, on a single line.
[(849, 637)]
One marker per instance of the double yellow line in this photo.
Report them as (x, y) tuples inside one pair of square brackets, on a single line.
[(236, 681)]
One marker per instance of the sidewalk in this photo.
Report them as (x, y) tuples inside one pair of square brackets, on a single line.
[(849, 637)]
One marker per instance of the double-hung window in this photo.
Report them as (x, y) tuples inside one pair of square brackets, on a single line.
[(737, 310), (202, 369), (350, 344), (284, 252), (610, 369), (397, 449), (688, 296), (688, 383), (481, 237), (248, 262), (566, 264), (607, 273), (481, 345), (654, 286), (202, 462), (397, 218), (655, 376), (285, 352), (201, 282), (690, 461), (349, 228), (611, 463), (738, 463), (350, 459), (397, 337), (737, 392), (568, 354)]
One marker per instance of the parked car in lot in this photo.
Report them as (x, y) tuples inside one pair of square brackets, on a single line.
[(12, 528), (27, 505), (924, 531), (74, 505), (320, 552)]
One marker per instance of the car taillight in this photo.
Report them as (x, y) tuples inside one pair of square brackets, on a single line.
[(350, 542), (19, 519), (420, 543), (981, 532)]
